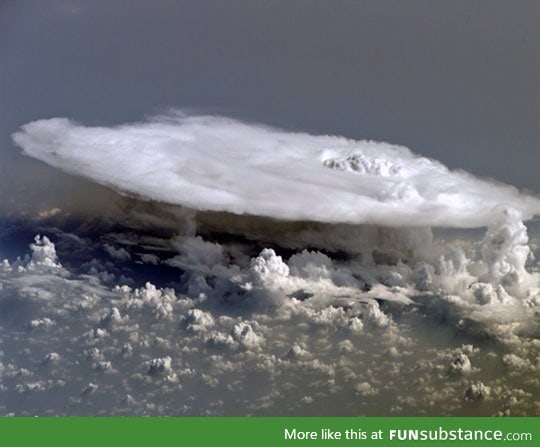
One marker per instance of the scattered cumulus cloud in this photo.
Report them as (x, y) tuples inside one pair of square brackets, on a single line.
[(305, 333)]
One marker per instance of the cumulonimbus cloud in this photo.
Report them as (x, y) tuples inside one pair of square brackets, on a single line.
[(220, 164)]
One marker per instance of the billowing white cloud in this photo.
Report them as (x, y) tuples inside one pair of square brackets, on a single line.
[(219, 164)]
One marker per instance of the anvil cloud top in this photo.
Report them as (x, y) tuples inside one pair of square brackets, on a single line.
[(219, 164)]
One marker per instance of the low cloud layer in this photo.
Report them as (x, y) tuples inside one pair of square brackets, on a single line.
[(110, 320), (217, 164)]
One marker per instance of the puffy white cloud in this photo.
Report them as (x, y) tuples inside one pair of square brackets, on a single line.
[(365, 389), (244, 334), (43, 254), (461, 364), (487, 294), (515, 362), (159, 366), (375, 316), (296, 352), (268, 268), (477, 391), (197, 320), (51, 357)]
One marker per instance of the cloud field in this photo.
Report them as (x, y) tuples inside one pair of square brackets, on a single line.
[(258, 271)]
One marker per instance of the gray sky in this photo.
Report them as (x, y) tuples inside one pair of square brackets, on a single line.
[(457, 81)]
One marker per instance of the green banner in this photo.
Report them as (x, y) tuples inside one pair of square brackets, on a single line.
[(223, 431)]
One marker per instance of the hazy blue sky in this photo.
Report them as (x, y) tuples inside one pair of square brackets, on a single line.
[(458, 81)]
